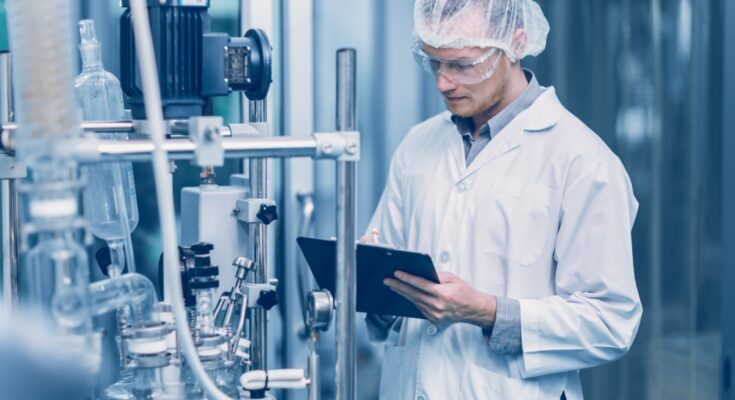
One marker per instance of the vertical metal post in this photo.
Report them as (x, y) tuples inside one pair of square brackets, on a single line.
[(258, 241), (314, 375), (8, 195), (346, 217)]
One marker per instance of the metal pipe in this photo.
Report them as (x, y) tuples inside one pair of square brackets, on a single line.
[(6, 90), (346, 202), (9, 194), (259, 245), (241, 147), (88, 126), (314, 376), (183, 149)]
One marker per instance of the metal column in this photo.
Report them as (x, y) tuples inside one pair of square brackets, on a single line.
[(8, 195), (346, 199), (258, 240)]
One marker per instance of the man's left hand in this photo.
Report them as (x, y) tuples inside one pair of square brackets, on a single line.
[(449, 301)]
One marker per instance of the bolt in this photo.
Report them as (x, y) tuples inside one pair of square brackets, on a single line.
[(327, 148), (351, 148)]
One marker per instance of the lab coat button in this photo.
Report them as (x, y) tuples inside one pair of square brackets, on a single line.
[(444, 257), (461, 187), (432, 330)]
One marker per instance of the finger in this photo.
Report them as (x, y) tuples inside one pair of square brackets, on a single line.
[(409, 292), (446, 277), (416, 281)]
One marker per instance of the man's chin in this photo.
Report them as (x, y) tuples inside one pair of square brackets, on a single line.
[(458, 108)]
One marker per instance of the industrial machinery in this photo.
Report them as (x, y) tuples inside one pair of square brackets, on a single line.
[(208, 336)]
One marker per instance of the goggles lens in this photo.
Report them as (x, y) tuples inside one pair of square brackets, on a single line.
[(463, 72)]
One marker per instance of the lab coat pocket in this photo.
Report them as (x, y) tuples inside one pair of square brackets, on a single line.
[(481, 383), (390, 376), (516, 220)]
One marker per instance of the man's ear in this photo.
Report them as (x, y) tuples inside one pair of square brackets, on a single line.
[(520, 41)]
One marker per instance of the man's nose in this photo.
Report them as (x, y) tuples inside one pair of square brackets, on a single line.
[(444, 84)]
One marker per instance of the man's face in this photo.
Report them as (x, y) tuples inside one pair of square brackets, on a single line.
[(470, 100)]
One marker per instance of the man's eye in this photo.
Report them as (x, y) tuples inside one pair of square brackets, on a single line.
[(458, 67)]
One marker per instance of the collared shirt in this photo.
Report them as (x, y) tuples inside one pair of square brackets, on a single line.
[(465, 126), (505, 335)]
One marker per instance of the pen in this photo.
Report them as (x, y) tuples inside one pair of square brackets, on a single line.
[(374, 234)]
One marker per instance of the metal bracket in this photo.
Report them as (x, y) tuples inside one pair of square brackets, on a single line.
[(205, 132), (247, 209), (343, 146)]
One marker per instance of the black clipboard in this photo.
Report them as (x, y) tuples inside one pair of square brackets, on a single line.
[(374, 263)]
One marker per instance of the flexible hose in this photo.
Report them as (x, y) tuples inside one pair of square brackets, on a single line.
[(274, 379), (164, 193)]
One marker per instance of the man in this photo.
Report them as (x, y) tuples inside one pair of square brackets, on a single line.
[(525, 211)]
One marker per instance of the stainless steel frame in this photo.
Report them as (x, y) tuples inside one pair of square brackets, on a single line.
[(259, 245), (346, 217), (9, 196)]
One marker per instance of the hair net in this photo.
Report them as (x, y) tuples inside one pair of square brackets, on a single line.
[(482, 23)]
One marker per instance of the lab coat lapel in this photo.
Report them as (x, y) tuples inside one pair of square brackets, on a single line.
[(457, 162), (540, 116)]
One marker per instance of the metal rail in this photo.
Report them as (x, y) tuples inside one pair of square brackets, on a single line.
[(346, 204), (9, 197), (259, 245)]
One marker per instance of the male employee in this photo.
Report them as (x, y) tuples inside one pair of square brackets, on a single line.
[(525, 211)]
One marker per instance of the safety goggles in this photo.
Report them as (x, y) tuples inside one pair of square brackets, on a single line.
[(463, 72)]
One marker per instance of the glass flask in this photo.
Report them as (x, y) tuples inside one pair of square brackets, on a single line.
[(145, 384), (110, 203)]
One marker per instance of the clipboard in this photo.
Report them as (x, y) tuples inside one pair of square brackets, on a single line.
[(374, 263)]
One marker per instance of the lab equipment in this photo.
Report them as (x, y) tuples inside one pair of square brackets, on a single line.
[(206, 341), (198, 64), (43, 68), (518, 27), (110, 203)]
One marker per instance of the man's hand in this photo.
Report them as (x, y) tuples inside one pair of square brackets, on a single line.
[(450, 301)]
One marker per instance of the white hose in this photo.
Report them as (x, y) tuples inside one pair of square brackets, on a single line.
[(276, 379), (164, 192)]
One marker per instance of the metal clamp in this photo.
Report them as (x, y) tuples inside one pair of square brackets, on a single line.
[(144, 345), (205, 132), (253, 291), (342, 146)]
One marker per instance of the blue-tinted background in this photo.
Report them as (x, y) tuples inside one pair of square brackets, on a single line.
[(651, 77)]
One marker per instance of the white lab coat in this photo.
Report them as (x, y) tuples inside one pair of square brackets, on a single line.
[(542, 215)]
